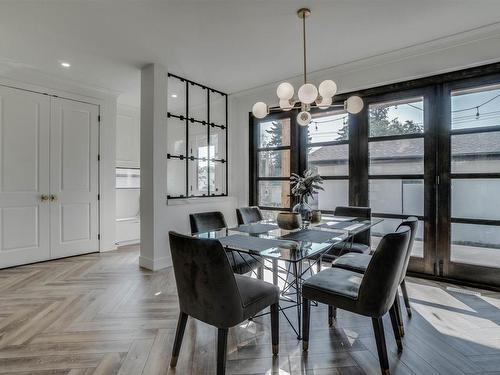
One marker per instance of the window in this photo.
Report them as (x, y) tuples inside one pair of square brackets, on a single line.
[(428, 148), (328, 155), (396, 160), (202, 168), (272, 163), (475, 176), (197, 140)]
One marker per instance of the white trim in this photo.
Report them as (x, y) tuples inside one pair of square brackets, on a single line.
[(19, 72), (129, 242), (154, 265), (432, 46)]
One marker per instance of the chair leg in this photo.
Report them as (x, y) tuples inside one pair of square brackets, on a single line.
[(397, 308), (332, 314), (405, 297), (378, 328), (181, 325), (221, 350), (395, 327), (306, 312), (318, 266), (275, 327)]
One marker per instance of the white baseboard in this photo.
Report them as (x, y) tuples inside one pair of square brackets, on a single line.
[(129, 242), (154, 265)]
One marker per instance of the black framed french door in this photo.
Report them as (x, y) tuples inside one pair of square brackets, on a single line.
[(469, 173), (440, 163), (401, 167), (274, 156)]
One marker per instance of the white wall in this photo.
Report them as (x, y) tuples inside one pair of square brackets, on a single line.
[(474, 48), (158, 216), (128, 223), (31, 79)]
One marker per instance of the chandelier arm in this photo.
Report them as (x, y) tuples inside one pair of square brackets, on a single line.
[(277, 108)]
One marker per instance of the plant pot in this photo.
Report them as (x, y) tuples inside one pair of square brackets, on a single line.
[(315, 216), (289, 220)]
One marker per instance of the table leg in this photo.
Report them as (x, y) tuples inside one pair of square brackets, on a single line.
[(297, 268), (275, 271)]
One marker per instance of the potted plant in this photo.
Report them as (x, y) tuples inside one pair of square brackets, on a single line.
[(303, 188)]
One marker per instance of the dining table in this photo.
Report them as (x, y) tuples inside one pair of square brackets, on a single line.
[(290, 252)]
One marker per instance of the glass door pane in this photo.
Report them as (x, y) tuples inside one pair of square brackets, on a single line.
[(473, 249), (272, 143), (397, 168)]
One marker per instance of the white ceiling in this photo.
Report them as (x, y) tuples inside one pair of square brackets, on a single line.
[(230, 45)]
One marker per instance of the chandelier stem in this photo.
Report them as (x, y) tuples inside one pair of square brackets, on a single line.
[(304, 40)]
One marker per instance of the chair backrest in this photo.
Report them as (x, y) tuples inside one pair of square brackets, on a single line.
[(382, 277), (362, 212), (207, 221), (412, 223), (205, 281), (248, 215)]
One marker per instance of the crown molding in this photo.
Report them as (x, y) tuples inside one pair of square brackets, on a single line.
[(15, 71), (433, 46)]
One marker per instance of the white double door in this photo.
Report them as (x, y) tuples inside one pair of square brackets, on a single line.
[(48, 177)]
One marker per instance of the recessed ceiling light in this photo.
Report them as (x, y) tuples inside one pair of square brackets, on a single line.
[(174, 95), (65, 64)]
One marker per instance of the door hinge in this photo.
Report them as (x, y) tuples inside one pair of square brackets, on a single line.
[(98, 118), (98, 197), (98, 236), (98, 157), (438, 180)]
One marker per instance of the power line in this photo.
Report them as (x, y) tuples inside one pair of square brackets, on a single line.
[(476, 106)]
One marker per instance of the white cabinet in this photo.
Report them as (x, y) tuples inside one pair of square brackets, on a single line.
[(48, 177)]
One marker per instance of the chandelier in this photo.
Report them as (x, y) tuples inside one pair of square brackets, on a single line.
[(308, 95)]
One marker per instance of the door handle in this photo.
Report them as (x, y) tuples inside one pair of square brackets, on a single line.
[(44, 197), (53, 197)]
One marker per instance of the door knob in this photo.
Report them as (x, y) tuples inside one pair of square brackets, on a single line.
[(53, 197), (44, 197)]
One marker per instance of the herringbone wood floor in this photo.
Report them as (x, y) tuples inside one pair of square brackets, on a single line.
[(101, 314)]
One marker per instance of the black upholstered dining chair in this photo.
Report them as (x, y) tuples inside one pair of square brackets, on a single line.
[(207, 221), (248, 215), (209, 291), (211, 221), (370, 294), (360, 243), (359, 263)]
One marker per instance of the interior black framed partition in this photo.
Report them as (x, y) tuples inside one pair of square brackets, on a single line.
[(428, 148), (197, 122)]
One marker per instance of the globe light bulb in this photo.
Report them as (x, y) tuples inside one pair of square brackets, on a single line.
[(354, 104), (304, 118), (308, 93), (327, 88), (324, 103), (286, 104), (285, 91), (260, 110)]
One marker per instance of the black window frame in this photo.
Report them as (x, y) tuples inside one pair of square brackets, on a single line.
[(209, 125), (295, 134)]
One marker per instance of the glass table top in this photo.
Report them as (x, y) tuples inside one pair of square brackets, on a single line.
[(269, 241)]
